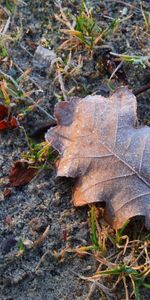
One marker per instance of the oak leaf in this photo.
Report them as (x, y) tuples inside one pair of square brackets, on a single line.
[(101, 144)]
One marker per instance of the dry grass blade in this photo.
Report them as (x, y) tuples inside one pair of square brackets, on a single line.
[(29, 99), (42, 238), (6, 26), (102, 287)]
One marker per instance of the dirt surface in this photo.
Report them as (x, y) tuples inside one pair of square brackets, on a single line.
[(41, 272)]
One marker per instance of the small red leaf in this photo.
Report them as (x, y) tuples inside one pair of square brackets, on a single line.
[(7, 193), (21, 173), (3, 124), (10, 124), (6, 121), (3, 112), (13, 122)]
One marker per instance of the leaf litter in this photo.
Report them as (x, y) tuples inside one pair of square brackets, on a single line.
[(21, 173)]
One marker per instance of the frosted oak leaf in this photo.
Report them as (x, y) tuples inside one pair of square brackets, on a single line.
[(102, 146)]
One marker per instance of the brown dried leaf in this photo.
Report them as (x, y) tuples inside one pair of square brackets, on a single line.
[(21, 173), (101, 145)]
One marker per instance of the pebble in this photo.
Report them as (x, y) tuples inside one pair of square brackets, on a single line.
[(43, 57)]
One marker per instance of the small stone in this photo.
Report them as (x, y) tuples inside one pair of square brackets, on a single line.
[(43, 57)]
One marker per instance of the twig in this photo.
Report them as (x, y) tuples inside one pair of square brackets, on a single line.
[(141, 89)]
